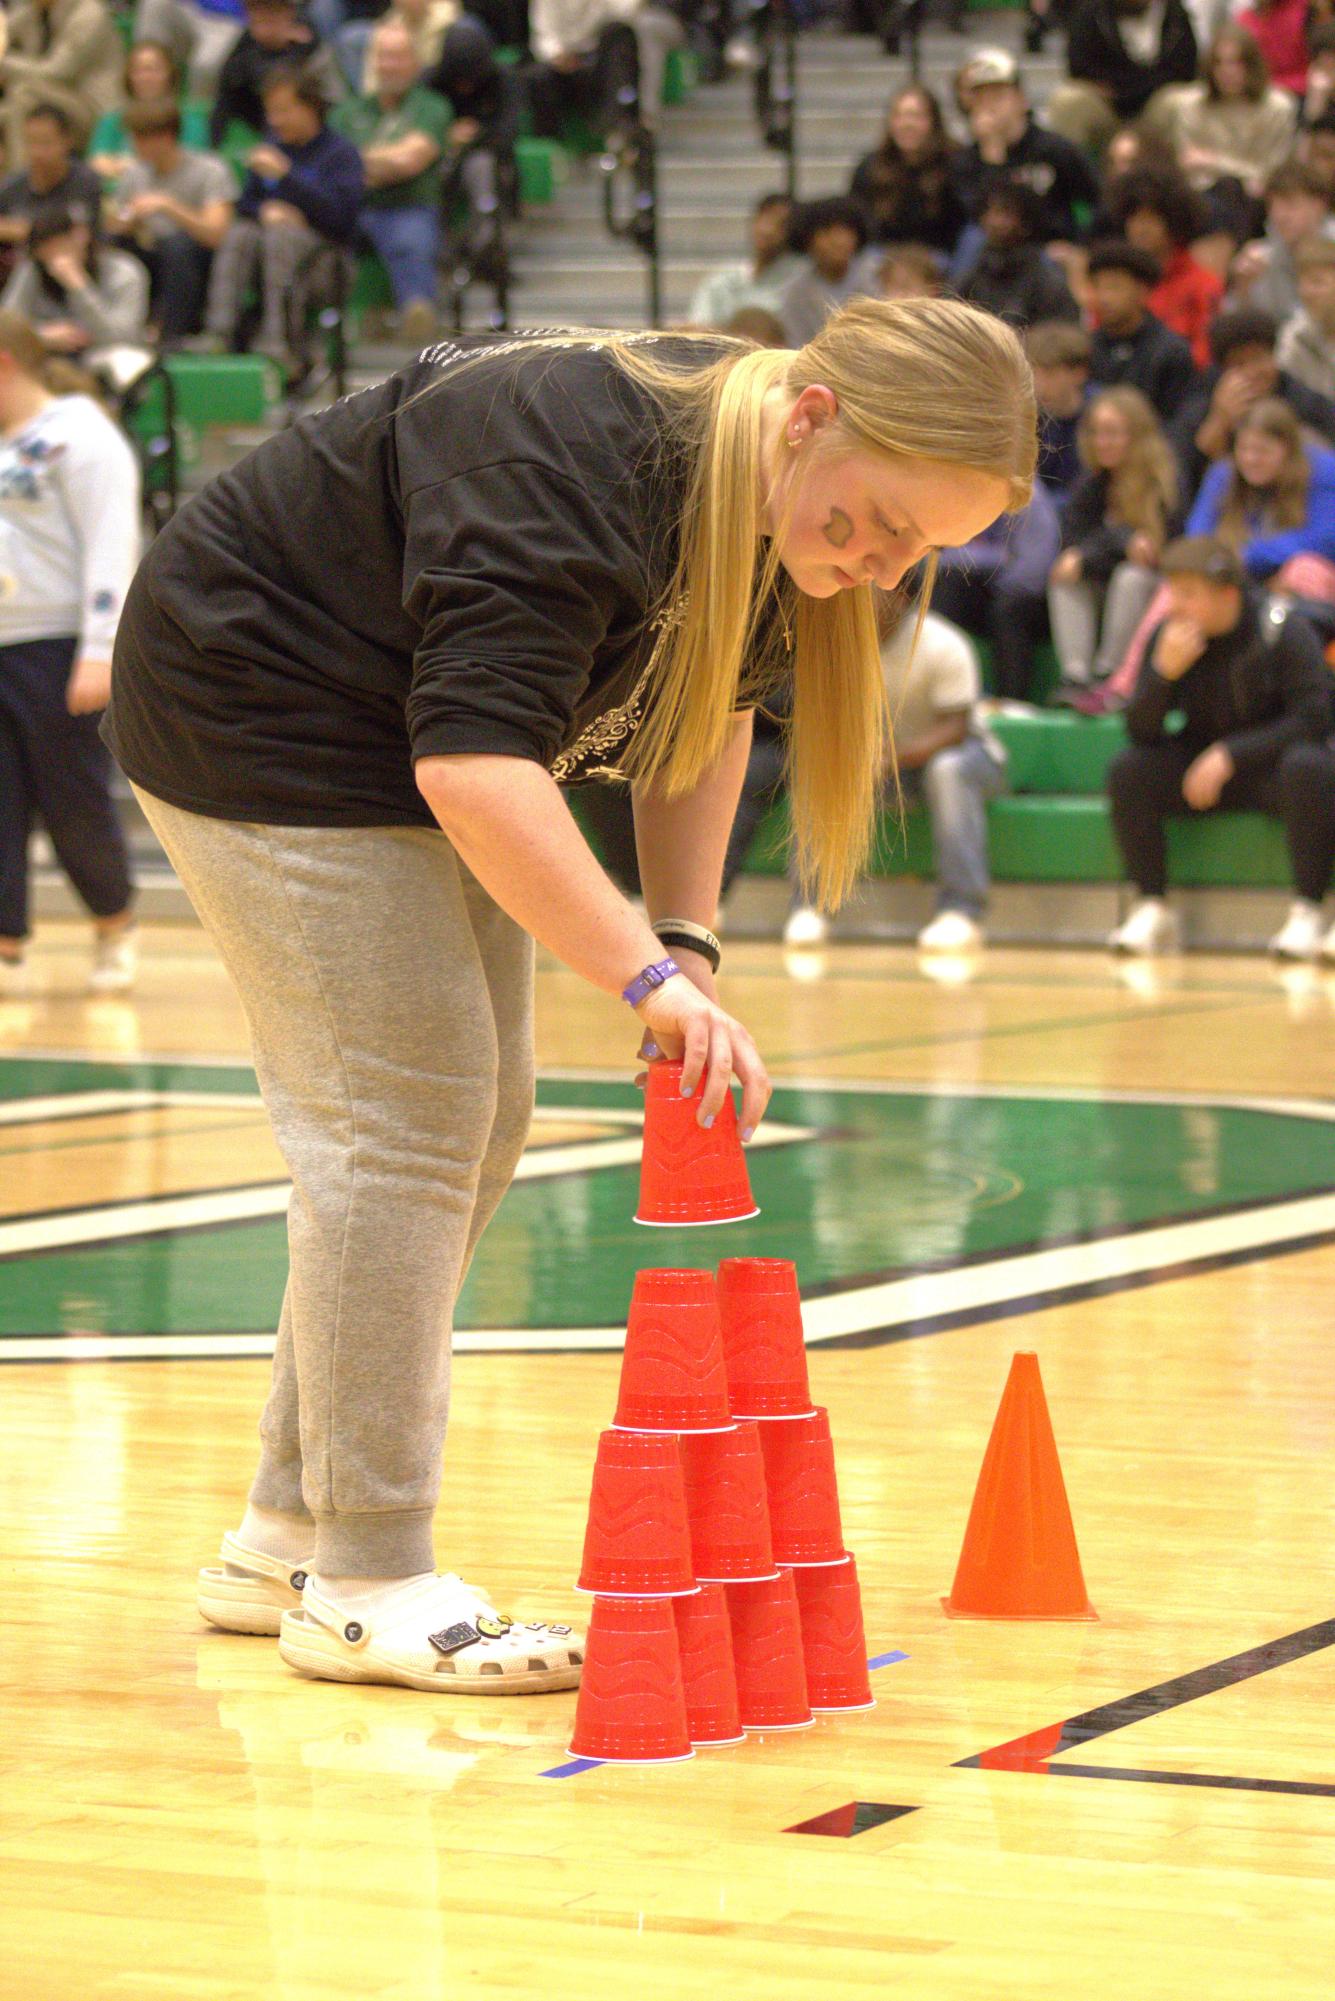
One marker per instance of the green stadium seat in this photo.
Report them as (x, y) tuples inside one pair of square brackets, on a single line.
[(680, 76), (223, 388), (543, 165)]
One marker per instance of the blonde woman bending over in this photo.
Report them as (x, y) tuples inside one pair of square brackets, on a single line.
[(1114, 527), (353, 677)]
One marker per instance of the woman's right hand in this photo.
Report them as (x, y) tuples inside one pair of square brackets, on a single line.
[(689, 1027)]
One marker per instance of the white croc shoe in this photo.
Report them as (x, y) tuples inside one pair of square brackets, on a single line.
[(951, 931), (1151, 927), (441, 1635), (248, 1593)]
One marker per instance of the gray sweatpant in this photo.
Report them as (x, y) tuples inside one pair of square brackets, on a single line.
[(390, 1006)]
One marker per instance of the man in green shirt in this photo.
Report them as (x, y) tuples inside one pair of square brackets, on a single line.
[(400, 128)]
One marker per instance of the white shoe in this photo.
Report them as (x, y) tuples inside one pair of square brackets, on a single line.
[(1300, 936), (14, 983), (951, 931), (1328, 946), (247, 1592), (1151, 927), (806, 927), (115, 962)]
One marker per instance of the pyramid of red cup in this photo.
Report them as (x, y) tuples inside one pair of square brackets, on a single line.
[(724, 1600)]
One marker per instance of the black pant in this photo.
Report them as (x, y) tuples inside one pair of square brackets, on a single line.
[(1012, 623), (54, 768), (607, 810), (178, 275), (596, 90), (1145, 789)]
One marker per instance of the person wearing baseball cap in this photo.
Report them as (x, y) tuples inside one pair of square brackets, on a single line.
[(1007, 142), (1250, 683)]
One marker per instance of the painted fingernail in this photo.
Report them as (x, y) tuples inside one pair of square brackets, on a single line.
[(706, 1123), (747, 1131), (651, 1049), (688, 1090)]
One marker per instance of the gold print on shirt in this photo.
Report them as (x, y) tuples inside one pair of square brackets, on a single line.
[(611, 729)]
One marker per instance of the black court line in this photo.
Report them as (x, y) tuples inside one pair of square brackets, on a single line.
[(856, 1817), (1036, 1751)]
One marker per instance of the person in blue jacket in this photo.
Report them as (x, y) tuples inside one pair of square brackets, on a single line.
[(1273, 500), (996, 588), (303, 187)]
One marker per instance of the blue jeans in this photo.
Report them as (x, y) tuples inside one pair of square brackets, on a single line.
[(955, 787), (407, 240)]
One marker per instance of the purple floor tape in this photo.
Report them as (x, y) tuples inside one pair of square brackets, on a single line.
[(886, 1660), (570, 1770)]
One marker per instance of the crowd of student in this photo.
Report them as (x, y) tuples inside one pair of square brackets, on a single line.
[(1165, 238)]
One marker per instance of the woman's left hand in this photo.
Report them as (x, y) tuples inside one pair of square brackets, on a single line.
[(89, 686)]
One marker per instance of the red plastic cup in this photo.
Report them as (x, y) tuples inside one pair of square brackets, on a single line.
[(803, 1490), (834, 1645), (763, 1347), (704, 1635), (637, 1543), (767, 1654), (727, 1506), (689, 1174), (672, 1374), (632, 1705)]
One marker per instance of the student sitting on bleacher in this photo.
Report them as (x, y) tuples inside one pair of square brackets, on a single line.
[(1013, 277), (1246, 370), (55, 177), (61, 52), (303, 189), (200, 34), (1121, 54), (1264, 274), (995, 587), (1255, 694), (1059, 356), (1159, 215), (946, 761), (1114, 526), (760, 281), (426, 22), (400, 130), (587, 65), (80, 296), (152, 74), (1006, 139), (1232, 128), (1273, 501), (479, 173), (1306, 348), (275, 33), (830, 233), (172, 207), (908, 188), (1130, 346)]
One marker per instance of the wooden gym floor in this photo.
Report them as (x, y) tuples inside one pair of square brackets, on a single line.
[(1132, 1173)]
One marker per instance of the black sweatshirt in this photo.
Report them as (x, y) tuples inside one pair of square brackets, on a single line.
[(1096, 53), (1255, 690), (1154, 360), (462, 559), (1057, 171)]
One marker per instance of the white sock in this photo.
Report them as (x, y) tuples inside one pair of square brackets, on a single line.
[(370, 1595), (289, 1538)]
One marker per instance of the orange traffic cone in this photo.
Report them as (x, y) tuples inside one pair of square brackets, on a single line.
[(1019, 1559)]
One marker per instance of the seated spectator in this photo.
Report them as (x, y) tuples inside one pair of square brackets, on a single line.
[(479, 169), (427, 21), (760, 281), (1059, 356), (61, 52), (1114, 526), (152, 76), (1319, 96), (54, 178), (200, 34), (1005, 139), (1297, 205), (1246, 369), (587, 65), (1120, 55), (1129, 344), (1232, 129), (946, 762), (907, 271), (757, 324), (1161, 217), (275, 34), (906, 188), (1273, 501), (1255, 695), (400, 131), (1306, 348), (303, 190), (1012, 277), (81, 297), (830, 234), (1279, 29), (1316, 148), (995, 587), (174, 205)]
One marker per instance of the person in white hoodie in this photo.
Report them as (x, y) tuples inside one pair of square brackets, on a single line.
[(69, 542)]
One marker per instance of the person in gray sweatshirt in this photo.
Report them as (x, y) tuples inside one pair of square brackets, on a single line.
[(69, 542), (81, 297)]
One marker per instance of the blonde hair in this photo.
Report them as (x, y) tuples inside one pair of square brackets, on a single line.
[(1284, 504), (929, 379), (1142, 492), (20, 340)]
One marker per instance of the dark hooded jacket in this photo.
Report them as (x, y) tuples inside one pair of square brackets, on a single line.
[(1096, 53), (476, 85)]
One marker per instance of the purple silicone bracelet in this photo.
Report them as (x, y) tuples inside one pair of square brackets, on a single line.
[(644, 983)]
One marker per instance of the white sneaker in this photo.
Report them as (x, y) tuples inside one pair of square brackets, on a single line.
[(1300, 936), (115, 963), (806, 927), (951, 931), (13, 979), (1328, 946), (1151, 927)]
